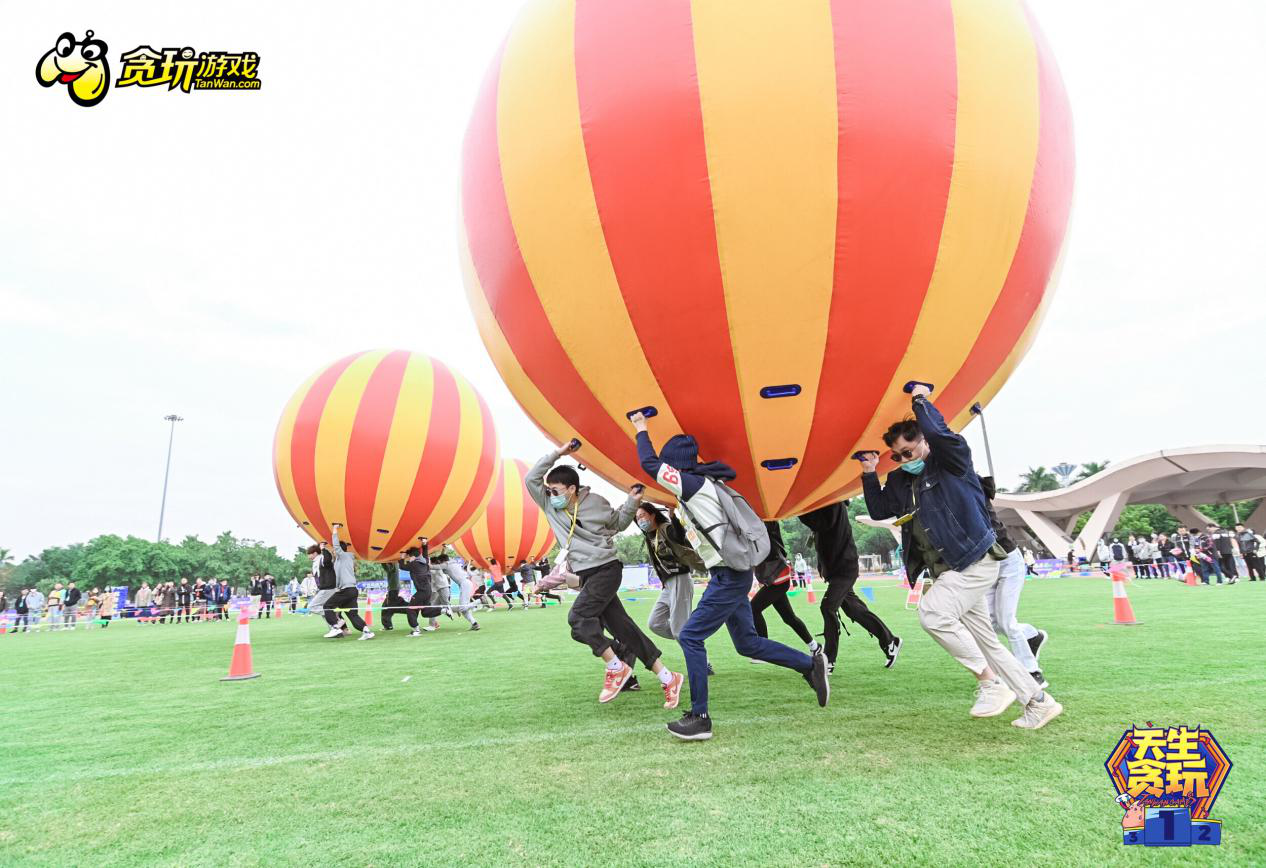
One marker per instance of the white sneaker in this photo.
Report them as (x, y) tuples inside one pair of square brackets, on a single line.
[(1037, 714), (334, 633), (366, 635), (992, 699), (430, 628), (416, 633), (754, 660)]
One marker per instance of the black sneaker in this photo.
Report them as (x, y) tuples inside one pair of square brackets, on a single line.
[(631, 685), (474, 626), (692, 727), (819, 680), (894, 648), (1042, 683), (710, 672), (1036, 643)]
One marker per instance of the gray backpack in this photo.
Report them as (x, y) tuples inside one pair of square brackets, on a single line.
[(744, 540)]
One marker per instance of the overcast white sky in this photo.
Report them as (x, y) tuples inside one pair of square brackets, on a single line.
[(203, 253)]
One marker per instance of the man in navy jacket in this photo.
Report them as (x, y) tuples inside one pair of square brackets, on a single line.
[(946, 530)]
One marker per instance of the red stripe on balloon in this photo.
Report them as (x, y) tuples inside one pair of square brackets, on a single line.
[(368, 444), (438, 453), (495, 518), (650, 180), (508, 287), (1045, 222), (896, 155), (488, 459), (303, 443), (531, 518)]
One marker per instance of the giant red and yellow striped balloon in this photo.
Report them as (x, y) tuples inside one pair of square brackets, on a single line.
[(761, 218), (392, 444), (512, 529)]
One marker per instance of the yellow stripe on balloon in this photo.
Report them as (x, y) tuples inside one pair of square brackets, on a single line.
[(461, 476), (281, 451), (772, 162), (550, 198), (1019, 351), (335, 432), (995, 153), (539, 410), (409, 426)]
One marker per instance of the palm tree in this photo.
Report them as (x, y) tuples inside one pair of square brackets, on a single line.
[(6, 557), (1038, 479), (1090, 468)]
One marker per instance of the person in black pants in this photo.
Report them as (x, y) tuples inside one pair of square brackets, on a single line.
[(1224, 545), (393, 604), (775, 581), (1249, 548), (837, 559), (416, 562)]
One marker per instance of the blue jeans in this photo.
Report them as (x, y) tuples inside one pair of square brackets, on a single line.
[(724, 601), (1209, 568)]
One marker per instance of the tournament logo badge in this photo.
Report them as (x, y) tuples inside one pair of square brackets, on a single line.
[(1167, 779)]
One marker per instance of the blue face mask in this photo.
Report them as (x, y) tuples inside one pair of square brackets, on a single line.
[(558, 501), (915, 466), (646, 526)]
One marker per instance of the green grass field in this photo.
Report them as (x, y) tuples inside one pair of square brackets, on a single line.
[(123, 746)]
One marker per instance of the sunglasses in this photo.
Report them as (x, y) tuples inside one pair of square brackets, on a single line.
[(903, 455)]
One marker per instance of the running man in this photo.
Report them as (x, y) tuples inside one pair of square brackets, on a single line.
[(945, 529), (346, 598), (837, 560), (724, 601), (585, 526), (775, 581)]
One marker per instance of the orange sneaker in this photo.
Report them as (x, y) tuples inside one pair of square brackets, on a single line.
[(672, 691), (614, 682)]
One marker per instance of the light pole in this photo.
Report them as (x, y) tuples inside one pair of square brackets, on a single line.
[(978, 410), (173, 419)]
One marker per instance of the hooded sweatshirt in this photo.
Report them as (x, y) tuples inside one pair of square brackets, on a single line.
[(679, 471), (344, 564), (587, 529)]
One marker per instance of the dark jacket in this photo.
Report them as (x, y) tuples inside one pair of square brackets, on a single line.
[(1223, 542), (327, 580), (73, 596), (833, 538), (184, 595), (991, 490), (1248, 543), (669, 550), (20, 606), (223, 593), (952, 506), (420, 574), (265, 588)]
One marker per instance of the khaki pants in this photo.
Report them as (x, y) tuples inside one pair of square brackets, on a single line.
[(954, 613)]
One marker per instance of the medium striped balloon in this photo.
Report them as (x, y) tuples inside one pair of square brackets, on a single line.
[(761, 218), (512, 529), (392, 444)]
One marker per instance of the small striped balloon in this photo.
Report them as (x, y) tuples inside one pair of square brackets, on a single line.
[(512, 529), (392, 444), (761, 218)]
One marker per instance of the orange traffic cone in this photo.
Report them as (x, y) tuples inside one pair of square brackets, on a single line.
[(278, 610), (1122, 612), (1190, 579), (4, 623), (369, 612), (240, 667), (808, 588)]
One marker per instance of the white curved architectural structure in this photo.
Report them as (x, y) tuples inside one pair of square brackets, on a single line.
[(1177, 479)]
